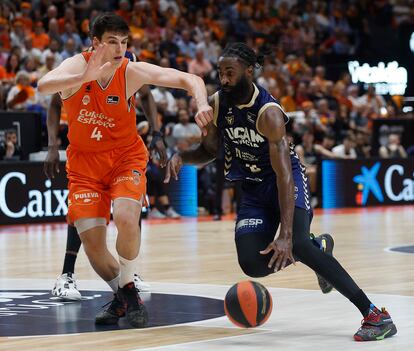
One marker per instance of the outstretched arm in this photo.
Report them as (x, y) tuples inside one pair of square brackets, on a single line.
[(73, 72), (140, 73)]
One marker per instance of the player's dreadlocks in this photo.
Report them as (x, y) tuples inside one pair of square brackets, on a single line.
[(243, 53)]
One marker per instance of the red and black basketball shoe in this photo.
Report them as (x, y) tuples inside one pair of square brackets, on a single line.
[(136, 311), (112, 314), (377, 325)]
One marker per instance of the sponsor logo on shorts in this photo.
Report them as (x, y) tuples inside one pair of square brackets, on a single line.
[(135, 178), (84, 197), (249, 222), (86, 99)]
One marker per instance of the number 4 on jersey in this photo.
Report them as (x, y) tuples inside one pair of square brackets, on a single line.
[(96, 134)]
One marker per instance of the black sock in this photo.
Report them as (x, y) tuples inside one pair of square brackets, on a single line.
[(361, 301), (69, 263), (73, 244)]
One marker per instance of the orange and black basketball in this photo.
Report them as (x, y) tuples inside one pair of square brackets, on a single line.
[(248, 304)]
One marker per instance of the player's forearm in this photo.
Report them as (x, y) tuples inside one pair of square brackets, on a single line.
[(197, 89), (198, 156), (53, 120), (149, 108), (285, 185), (54, 82), (286, 191)]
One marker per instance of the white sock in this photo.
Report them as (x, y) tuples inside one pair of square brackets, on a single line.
[(127, 270), (114, 283)]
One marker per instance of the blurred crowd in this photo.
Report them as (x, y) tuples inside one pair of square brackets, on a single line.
[(331, 117)]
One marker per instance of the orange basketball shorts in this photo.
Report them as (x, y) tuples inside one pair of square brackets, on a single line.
[(97, 178)]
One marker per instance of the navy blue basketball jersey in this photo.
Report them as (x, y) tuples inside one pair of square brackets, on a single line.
[(246, 150)]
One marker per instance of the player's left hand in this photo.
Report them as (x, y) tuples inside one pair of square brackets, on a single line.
[(203, 117), (282, 248), (173, 168)]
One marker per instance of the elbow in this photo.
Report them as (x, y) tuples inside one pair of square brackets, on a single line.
[(41, 86)]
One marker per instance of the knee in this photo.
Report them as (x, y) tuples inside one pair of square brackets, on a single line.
[(300, 248), (93, 248), (126, 222), (253, 268)]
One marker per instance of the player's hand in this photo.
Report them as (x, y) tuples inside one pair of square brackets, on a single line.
[(95, 68), (282, 248), (203, 117), (51, 164), (157, 145), (173, 168)]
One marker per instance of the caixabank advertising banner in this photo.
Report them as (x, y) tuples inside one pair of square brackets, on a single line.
[(372, 182), (27, 196)]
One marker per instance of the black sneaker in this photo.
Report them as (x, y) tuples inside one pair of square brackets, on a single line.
[(326, 243), (136, 311), (378, 325), (112, 314)]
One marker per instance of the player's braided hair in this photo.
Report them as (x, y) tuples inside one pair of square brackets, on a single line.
[(244, 53)]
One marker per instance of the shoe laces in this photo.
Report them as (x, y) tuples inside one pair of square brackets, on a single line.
[(373, 316)]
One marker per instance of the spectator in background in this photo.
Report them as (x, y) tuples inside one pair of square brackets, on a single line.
[(17, 34), (70, 33), (8, 73), (40, 39), (347, 148), (187, 135), (70, 49), (50, 64), (186, 45), (200, 66), (210, 47), (393, 149), (29, 50), (21, 95), (53, 32), (53, 49), (362, 148), (10, 149), (288, 101), (372, 103), (165, 100), (5, 43)]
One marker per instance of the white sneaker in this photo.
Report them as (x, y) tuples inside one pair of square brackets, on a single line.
[(171, 213), (155, 214), (140, 284), (65, 288)]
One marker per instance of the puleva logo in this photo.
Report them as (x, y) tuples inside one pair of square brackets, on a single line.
[(367, 182)]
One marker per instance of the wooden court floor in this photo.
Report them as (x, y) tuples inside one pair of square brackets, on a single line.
[(197, 258)]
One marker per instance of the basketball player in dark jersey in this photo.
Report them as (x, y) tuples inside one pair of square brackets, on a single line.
[(251, 124), (65, 287)]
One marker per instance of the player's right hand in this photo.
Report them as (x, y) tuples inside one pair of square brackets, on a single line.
[(51, 164), (95, 68), (173, 168), (203, 117)]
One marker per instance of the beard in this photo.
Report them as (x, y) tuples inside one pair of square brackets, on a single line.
[(237, 93)]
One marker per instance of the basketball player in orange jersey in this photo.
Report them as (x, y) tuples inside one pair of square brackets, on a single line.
[(106, 159), (65, 287)]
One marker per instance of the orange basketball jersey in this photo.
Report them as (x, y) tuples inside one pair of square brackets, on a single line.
[(101, 119)]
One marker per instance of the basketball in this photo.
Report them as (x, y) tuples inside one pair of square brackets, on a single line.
[(248, 304)]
